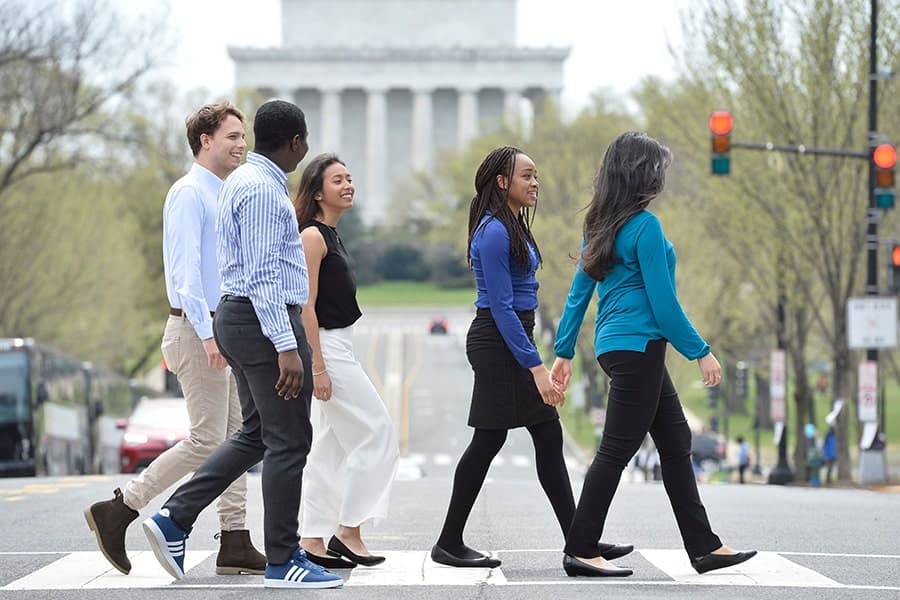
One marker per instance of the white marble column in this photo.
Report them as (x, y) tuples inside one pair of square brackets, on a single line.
[(422, 129), (331, 120), (512, 106), (376, 155), (467, 116)]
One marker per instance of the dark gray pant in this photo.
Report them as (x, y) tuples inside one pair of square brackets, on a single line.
[(275, 430)]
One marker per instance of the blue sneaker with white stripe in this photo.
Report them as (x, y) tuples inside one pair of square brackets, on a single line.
[(168, 542), (300, 572)]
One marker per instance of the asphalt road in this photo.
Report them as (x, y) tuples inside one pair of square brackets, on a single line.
[(815, 543)]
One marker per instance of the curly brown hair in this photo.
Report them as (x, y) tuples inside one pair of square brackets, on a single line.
[(207, 119)]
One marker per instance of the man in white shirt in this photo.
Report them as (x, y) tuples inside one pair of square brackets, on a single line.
[(216, 136)]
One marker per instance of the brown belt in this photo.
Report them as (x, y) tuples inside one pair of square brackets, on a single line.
[(177, 312)]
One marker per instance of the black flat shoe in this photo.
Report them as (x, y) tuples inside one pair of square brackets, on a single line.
[(441, 556), (575, 567), (330, 562), (711, 562), (614, 551), (337, 548)]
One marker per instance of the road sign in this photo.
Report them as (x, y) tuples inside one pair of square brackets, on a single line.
[(872, 322), (777, 385), (868, 391)]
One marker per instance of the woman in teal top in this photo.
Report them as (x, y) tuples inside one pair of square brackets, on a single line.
[(627, 259)]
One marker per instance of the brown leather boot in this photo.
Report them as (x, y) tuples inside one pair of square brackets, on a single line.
[(237, 554), (108, 520)]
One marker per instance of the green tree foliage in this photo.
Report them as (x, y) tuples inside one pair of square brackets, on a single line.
[(792, 225)]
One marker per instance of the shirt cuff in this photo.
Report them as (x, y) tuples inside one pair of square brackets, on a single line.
[(204, 330), (284, 341)]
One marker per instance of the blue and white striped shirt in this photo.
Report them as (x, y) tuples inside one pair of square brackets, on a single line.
[(260, 254)]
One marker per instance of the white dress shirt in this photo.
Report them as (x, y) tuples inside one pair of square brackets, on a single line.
[(189, 247)]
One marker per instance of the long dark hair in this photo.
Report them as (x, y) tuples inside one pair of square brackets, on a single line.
[(491, 197), (311, 183), (632, 174)]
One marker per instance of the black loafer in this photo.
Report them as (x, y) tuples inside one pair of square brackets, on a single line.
[(711, 562), (337, 548), (575, 567), (330, 562), (441, 556), (614, 551)]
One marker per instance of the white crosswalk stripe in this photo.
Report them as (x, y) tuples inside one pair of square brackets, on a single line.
[(89, 570)]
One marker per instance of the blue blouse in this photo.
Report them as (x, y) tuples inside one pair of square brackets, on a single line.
[(505, 286), (636, 301)]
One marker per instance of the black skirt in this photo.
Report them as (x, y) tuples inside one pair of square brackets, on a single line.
[(504, 395)]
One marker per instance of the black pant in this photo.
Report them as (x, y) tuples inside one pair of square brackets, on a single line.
[(275, 430), (641, 399), (473, 467)]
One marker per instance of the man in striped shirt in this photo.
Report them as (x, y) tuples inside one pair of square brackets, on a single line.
[(259, 332)]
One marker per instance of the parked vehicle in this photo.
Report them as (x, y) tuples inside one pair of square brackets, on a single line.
[(156, 425), (708, 451), (438, 325), (58, 414)]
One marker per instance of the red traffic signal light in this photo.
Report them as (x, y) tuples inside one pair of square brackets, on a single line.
[(885, 156), (721, 122), (895, 256)]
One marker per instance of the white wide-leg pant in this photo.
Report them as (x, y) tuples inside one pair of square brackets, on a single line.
[(353, 460)]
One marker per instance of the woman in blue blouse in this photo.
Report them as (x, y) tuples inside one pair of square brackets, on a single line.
[(631, 265), (512, 385)]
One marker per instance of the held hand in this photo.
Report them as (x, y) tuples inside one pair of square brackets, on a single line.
[(548, 391), (290, 374), (214, 358), (710, 370), (322, 386), (561, 373)]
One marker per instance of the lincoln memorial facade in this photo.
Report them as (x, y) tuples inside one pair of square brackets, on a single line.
[(387, 83)]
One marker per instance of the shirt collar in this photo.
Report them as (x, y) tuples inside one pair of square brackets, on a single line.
[(268, 166), (205, 174)]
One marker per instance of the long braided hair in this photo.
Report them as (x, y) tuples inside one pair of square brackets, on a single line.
[(632, 174), (489, 196)]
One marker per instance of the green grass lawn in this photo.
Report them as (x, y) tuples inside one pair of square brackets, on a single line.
[(411, 293)]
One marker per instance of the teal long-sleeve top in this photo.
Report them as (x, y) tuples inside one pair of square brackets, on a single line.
[(636, 301)]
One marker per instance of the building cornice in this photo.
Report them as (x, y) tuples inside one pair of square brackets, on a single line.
[(397, 54)]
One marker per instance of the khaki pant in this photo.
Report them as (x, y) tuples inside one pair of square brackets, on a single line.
[(215, 413)]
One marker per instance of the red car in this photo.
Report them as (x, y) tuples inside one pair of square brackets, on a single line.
[(156, 425)]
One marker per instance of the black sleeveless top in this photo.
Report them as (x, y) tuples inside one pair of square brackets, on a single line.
[(336, 305)]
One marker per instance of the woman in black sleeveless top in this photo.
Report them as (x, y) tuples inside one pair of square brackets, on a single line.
[(354, 454)]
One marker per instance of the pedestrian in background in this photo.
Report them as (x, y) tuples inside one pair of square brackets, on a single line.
[(743, 457), (215, 134), (627, 260), (260, 333), (354, 454), (512, 386), (829, 451)]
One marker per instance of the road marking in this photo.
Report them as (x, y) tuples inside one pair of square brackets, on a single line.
[(519, 460), (14, 498), (765, 569), (443, 460), (90, 570)]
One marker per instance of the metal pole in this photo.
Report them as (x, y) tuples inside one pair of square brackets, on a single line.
[(782, 474)]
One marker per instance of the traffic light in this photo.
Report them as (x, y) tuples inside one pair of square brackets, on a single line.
[(720, 125), (885, 159), (712, 396), (740, 380), (894, 269)]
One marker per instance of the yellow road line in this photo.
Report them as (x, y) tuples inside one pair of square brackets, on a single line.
[(404, 397), (14, 498)]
